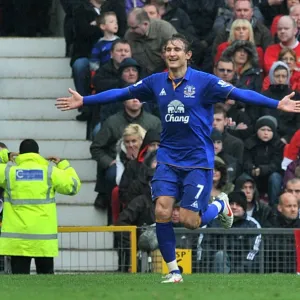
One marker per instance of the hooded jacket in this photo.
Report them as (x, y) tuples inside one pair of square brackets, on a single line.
[(262, 212), (288, 123), (250, 76)]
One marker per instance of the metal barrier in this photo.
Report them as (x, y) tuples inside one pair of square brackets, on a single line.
[(216, 250), (97, 248), (213, 250)]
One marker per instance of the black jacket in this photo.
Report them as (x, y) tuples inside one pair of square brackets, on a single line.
[(86, 35), (264, 155)]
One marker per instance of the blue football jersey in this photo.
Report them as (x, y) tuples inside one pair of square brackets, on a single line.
[(186, 110)]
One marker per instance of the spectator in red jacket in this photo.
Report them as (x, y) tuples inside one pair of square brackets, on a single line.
[(286, 31), (288, 56)]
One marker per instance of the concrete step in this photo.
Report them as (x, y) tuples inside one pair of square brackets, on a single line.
[(35, 87), (87, 261), (54, 130), (77, 215), (35, 67), (32, 47), (69, 149), (86, 240), (86, 169), (86, 195), (36, 109)]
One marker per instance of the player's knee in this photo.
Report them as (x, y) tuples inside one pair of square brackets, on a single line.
[(163, 210)]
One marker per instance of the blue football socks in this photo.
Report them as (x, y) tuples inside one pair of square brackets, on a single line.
[(212, 212), (167, 245)]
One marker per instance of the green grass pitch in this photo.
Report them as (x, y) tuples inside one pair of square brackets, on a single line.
[(148, 287)]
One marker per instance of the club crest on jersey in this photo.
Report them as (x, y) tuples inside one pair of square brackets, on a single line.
[(175, 113), (223, 84), (189, 91)]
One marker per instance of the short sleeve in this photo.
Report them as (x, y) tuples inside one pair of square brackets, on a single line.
[(143, 89), (217, 90)]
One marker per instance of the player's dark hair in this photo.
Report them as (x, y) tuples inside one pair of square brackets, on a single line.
[(219, 109), (182, 38), (222, 168), (118, 41), (29, 146), (101, 19)]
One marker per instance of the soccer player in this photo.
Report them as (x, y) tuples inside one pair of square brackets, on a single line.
[(186, 153)]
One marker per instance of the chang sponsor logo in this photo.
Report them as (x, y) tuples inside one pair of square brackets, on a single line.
[(175, 111)]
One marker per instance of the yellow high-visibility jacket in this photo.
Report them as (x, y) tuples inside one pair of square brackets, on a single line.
[(29, 224)]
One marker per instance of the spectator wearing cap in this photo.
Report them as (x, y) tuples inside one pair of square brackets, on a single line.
[(288, 123), (128, 73), (256, 208), (234, 168), (262, 158), (241, 252)]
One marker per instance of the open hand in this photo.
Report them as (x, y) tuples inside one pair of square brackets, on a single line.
[(289, 105), (68, 103)]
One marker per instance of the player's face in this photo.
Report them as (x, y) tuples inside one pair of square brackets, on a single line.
[(176, 55), (265, 133), (219, 122), (248, 189), (237, 210), (218, 146)]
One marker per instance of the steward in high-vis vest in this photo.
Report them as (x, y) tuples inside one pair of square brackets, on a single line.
[(29, 225)]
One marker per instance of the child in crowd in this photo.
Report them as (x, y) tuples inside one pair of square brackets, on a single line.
[(108, 23)]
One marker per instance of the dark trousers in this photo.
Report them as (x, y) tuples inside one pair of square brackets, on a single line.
[(21, 265)]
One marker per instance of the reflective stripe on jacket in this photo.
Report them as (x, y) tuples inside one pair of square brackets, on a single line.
[(29, 226)]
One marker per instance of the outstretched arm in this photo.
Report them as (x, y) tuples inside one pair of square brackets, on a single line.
[(254, 98), (141, 90)]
